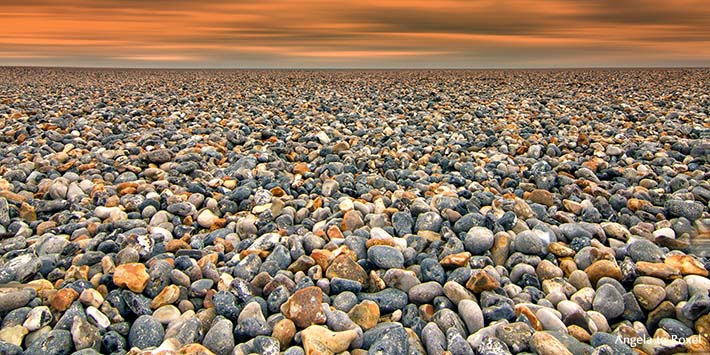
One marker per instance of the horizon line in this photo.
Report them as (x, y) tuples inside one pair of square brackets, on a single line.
[(630, 67)]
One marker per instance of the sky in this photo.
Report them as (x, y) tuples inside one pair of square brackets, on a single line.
[(355, 34)]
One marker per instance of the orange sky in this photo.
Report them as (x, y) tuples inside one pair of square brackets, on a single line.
[(355, 34)]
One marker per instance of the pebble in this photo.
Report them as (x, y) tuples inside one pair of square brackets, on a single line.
[(644, 250), (545, 344), (550, 320), (11, 298), (479, 240), (132, 276), (603, 268), (54, 342), (425, 292), (320, 340), (385, 257), (146, 332), (366, 314), (220, 338), (304, 307), (649, 296), (688, 209), (515, 335), (528, 242), (608, 301)]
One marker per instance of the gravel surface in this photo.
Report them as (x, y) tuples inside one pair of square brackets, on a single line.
[(357, 212)]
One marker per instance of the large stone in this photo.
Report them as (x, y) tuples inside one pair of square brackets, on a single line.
[(603, 268), (132, 276), (145, 332), (63, 299), (345, 268), (13, 298), (366, 314), (319, 340), (304, 307), (543, 343), (220, 338)]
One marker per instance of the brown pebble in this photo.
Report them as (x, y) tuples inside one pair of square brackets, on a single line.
[(168, 295), (284, 331), (344, 267), (542, 197), (132, 276), (602, 268), (455, 260), (501, 248), (579, 333), (304, 307), (63, 299), (660, 270), (319, 340), (365, 314), (545, 344), (91, 297), (482, 281), (686, 264), (194, 349)]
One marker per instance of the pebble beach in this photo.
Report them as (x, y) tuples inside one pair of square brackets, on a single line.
[(409, 212)]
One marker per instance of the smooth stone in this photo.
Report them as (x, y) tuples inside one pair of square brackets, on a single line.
[(207, 218), (528, 242), (677, 291), (15, 298), (608, 301), (425, 292), (644, 250), (132, 276), (675, 328), (13, 334), (491, 345), (696, 284), (344, 267), (688, 209), (471, 314), (550, 321), (649, 296), (543, 343), (389, 299), (85, 335), (366, 314), (166, 314), (320, 340), (55, 342), (603, 268), (37, 318), (575, 346), (478, 240), (283, 331), (146, 332), (385, 257), (696, 306), (632, 309), (428, 221), (456, 344), (434, 339), (457, 292)]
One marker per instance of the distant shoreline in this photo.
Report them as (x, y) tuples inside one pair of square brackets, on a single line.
[(623, 68)]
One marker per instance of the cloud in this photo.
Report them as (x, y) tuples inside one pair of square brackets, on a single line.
[(369, 33)]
